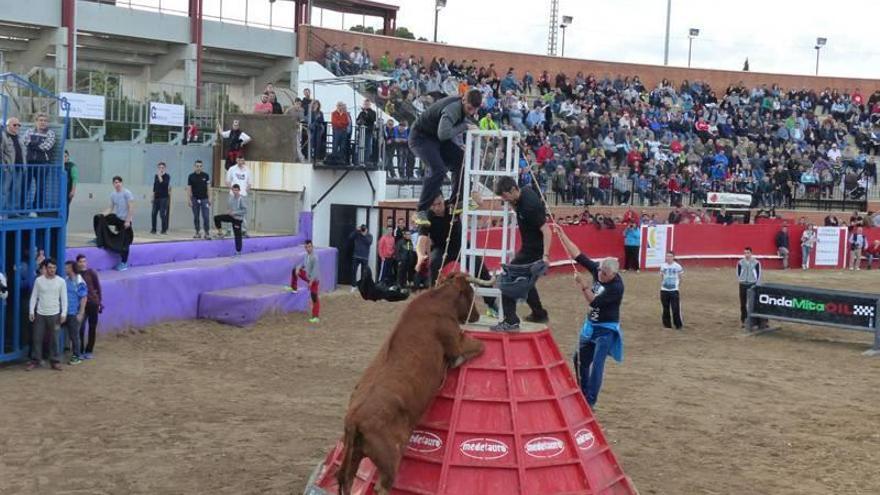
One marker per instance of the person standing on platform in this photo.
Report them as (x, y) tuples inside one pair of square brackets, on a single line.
[(310, 272), (601, 334), (161, 198), (118, 216), (234, 140), (240, 174), (47, 311), (433, 140), (670, 298), (235, 213), (748, 273), (361, 241), (535, 235), (366, 121), (782, 246), (72, 172), (94, 306), (808, 241), (76, 309), (857, 243), (386, 255), (632, 240), (197, 196)]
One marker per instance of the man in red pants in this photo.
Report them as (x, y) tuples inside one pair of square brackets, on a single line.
[(310, 272)]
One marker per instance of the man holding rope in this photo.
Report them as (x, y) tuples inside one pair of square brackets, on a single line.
[(440, 242), (601, 334), (535, 236), (433, 140)]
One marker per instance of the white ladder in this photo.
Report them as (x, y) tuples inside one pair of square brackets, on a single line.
[(478, 145)]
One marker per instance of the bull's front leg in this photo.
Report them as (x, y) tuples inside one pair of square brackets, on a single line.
[(469, 348)]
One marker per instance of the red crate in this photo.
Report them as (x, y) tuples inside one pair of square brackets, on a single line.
[(512, 421)]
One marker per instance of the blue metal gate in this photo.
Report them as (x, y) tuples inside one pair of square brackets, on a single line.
[(33, 208)]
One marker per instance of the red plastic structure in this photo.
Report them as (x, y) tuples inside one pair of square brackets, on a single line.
[(512, 421)]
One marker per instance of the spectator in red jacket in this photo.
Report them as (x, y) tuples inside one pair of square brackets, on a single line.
[(386, 254), (674, 191), (263, 106), (545, 153)]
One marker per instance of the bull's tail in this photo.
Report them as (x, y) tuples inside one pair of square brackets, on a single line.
[(352, 453)]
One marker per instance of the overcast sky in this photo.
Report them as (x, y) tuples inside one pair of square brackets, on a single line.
[(776, 35)]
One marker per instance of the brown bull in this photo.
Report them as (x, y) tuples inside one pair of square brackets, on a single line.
[(399, 385)]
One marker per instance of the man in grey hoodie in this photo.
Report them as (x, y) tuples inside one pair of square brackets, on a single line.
[(432, 139), (236, 212)]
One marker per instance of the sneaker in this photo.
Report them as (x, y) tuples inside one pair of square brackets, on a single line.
[(93, 241), (56, 366), (88, 356), (152, 232), (354, 289), (421, 218), (503, 326), (492, 313), (539, 318), (74, 360), (236, 254), (207, 237), (31, 366), (314, 319), (291, 289), (164, 232), (221, 234), (198, 236), (121, 267)]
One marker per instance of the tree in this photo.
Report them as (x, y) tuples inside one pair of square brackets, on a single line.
[(403, 32), (362, 29)]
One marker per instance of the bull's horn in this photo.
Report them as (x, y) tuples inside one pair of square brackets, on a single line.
[(481, 282)]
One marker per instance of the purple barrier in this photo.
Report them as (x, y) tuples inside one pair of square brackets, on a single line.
[(147, 295), (158, 253), (243, 306)]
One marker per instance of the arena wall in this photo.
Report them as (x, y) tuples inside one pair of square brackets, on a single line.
[(311, 47)]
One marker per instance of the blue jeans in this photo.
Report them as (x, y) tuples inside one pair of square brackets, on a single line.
[(340, 142), (591, 366), (201, 206), (438, 157)]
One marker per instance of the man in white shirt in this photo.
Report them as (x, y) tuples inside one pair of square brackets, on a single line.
[(670, 273), (47, 311)]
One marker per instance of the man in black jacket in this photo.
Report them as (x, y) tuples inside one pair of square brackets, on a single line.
[(366, 122), (782, 246), (361, 241), (432, 138)]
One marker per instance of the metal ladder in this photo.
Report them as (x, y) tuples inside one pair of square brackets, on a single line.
[(478, 145)]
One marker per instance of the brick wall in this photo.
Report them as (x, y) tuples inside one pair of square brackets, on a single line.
[(649, 74)]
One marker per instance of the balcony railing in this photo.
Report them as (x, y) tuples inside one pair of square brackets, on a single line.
[(31, 190)]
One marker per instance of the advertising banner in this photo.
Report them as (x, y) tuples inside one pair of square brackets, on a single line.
[(166, 114), (656, 241), (844, 309), (729, 199), (84, 106), (829, 251)]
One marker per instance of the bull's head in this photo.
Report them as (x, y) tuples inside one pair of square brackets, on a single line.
[(466, 310)]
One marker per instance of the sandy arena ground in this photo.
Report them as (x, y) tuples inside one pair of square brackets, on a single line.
[(201, 408)]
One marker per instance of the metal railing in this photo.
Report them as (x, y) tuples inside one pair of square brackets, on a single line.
[(31, 189), (344, 148)]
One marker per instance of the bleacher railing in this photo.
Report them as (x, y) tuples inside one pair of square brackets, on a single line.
[(30, 189)]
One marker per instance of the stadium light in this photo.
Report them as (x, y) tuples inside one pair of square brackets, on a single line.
[(820, 42), (692, 33), (566, 21), (437, 6)]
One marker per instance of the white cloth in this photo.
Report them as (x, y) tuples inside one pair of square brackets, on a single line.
[(49, 297)]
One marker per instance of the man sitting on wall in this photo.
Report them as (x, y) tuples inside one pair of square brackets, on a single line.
[(234, 140), (118, 216)]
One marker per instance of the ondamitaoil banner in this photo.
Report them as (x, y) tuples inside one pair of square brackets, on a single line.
[(816, 306)]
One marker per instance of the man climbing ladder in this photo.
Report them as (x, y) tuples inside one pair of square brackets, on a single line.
[(434, 139)]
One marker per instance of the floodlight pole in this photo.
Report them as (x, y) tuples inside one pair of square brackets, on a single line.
[(666, 47), (818, 48)]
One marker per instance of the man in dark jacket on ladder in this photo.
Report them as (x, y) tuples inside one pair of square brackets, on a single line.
[(432, 139)]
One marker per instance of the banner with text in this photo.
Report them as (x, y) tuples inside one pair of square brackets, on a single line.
[(84, 106), (729, 199), (830, 242), (818, 306), (166, 114), (656, 241)]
